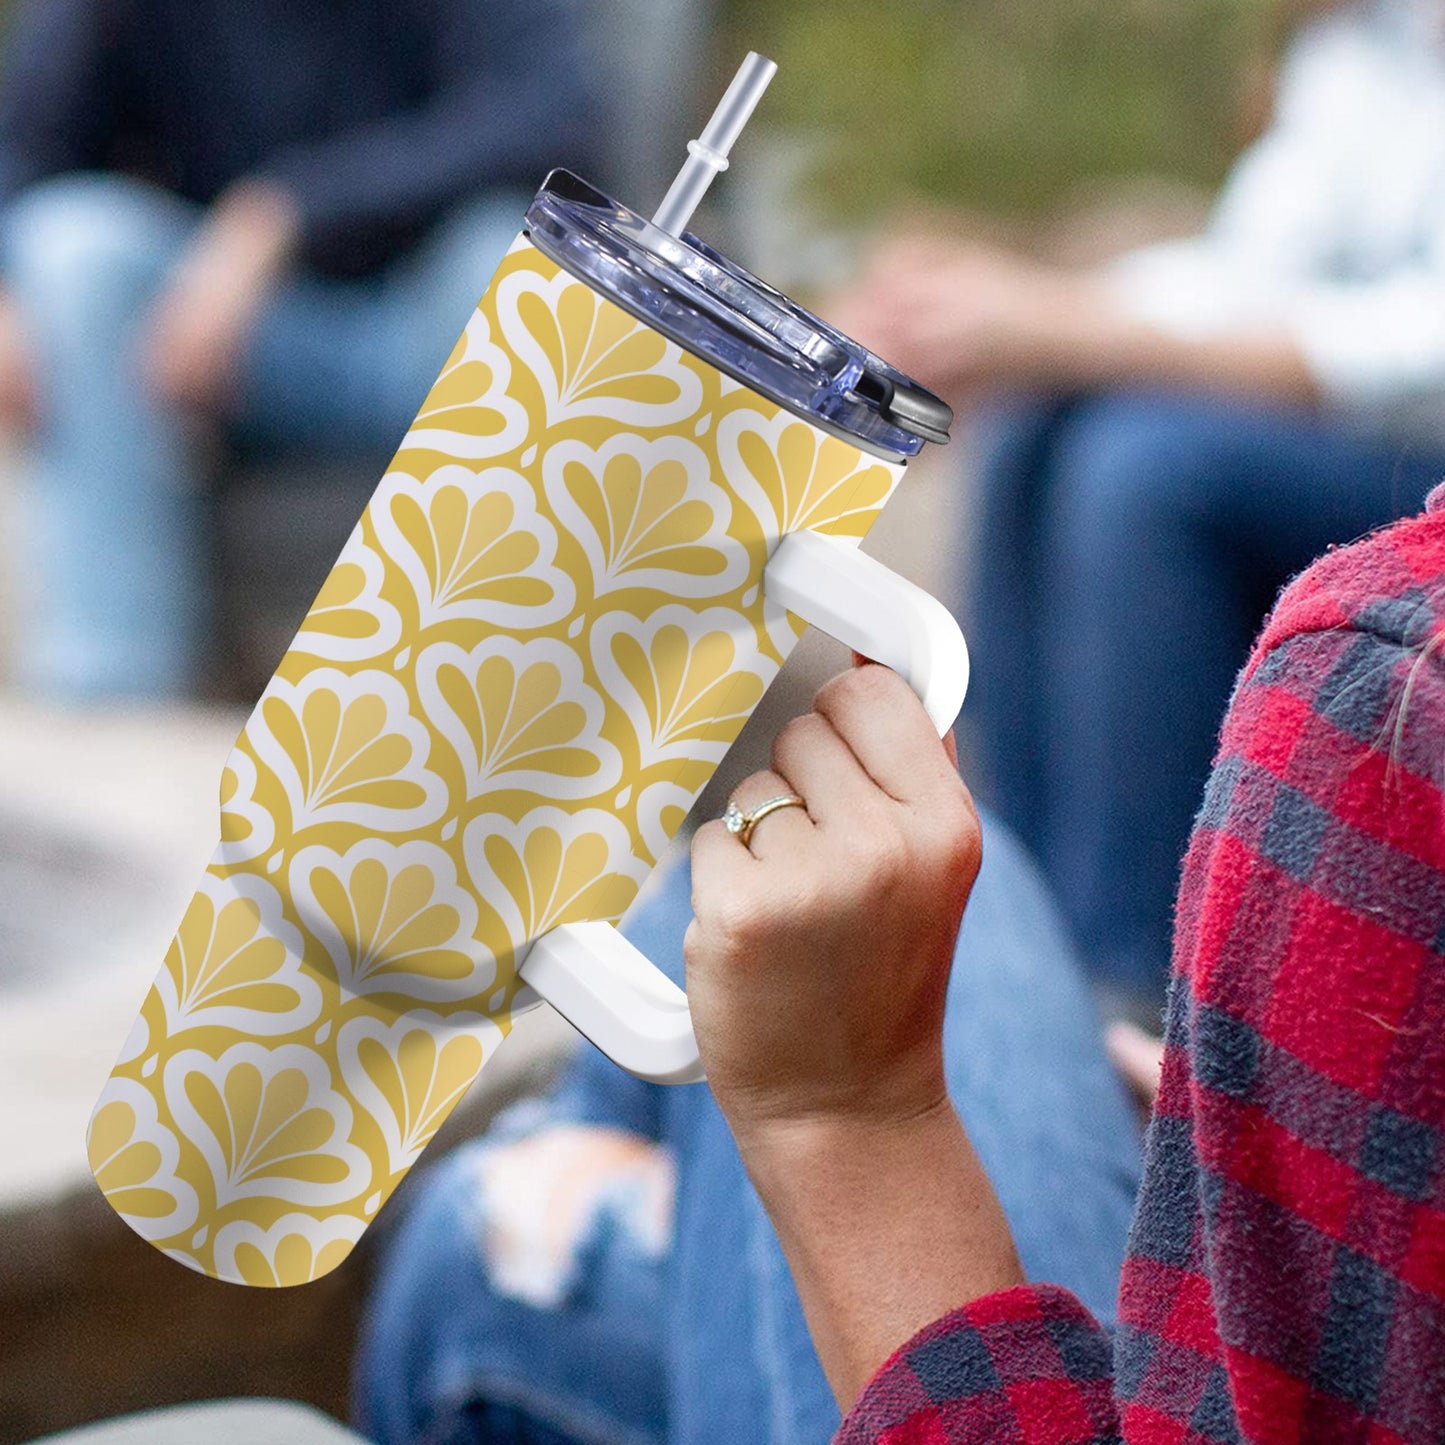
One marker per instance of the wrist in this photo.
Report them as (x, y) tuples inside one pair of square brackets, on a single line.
[(843, 1175), (777, 1118), (1088, 339), (834, 1141), (886, 1226)]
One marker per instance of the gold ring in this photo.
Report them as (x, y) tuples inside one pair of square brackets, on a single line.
[(741, 824)]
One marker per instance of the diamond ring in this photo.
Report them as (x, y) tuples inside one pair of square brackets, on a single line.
[(741, 824)]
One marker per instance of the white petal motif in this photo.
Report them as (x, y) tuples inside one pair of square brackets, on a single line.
[(236, 963), (268, 1124), (687, 679), (590, 358), (408, 1075), (648, 514), (350, 621), (295, 1250), (393, 919), (133, 1157), (247, 829), (474, 547), (519, 715), (468, 413), (346, 750), (794, 477), (661, 809), (552, 867)]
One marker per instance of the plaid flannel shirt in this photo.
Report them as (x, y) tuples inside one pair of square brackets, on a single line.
[(1285, 1282)]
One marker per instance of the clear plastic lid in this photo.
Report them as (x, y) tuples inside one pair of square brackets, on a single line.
[(696, 297)]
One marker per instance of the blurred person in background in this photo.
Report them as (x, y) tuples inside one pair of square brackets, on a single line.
[(262, 223), (1164, 441)]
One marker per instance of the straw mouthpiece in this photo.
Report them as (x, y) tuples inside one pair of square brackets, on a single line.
[(708, 154)]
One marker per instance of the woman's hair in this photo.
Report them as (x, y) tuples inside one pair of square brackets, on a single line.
[(1429, 654)]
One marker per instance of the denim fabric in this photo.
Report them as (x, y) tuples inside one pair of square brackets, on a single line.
[(1129, 546), (116, 540), (706, 1344)]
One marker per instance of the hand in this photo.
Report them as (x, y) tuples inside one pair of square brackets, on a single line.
[(200, 323), (817, 966), (961, 316), (819, 956), (19, 403)]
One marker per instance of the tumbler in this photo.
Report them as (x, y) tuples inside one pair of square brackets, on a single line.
[(639, 474)]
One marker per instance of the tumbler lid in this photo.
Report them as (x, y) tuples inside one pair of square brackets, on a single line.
[(695, 296)]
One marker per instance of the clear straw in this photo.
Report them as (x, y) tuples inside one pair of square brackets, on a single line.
[(708, 155)]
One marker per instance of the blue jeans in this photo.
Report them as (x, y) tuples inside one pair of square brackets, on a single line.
[(704, 1341), (117, 517), (1129, 545)]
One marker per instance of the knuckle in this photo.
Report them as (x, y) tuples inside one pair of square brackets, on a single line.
[(695, 946), (796, 736), (894, 854), (704, 840), (870, 686), (956, 844), (812, 896), (754, 788), (832, 692), (875, 682), (735, 923), (703, 942), (963, 849), (963, 819)]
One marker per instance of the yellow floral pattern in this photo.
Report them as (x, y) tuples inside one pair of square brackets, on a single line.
[(542, 636)]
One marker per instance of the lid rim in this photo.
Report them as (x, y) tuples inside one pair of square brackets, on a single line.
[(823, 423), (733, 320)]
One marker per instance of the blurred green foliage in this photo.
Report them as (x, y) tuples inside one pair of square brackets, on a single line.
[(1010, 106)]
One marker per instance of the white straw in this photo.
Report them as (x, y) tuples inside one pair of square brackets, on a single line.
[(708, 155)]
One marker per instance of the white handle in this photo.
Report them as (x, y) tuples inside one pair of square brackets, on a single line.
[(597, 980), (854, 598), (613, 995)]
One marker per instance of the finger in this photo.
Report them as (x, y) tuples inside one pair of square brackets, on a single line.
[(725, 875), (882, 721), (783, 830), (825, 771), (949, 740), (1138, 1056)]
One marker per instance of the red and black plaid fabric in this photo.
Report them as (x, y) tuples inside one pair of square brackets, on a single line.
[(1285, 1283)]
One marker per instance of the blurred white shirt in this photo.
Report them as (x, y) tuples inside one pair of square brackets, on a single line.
[(1332, 224)]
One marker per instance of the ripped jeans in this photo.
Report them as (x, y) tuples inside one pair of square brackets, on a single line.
[(599, 1271)]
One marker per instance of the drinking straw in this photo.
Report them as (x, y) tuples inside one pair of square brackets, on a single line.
[(708, 155)]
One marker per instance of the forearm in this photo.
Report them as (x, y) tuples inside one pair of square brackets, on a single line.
[(1104, 346), (247, 242), (885, 1228), (199, 324)]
